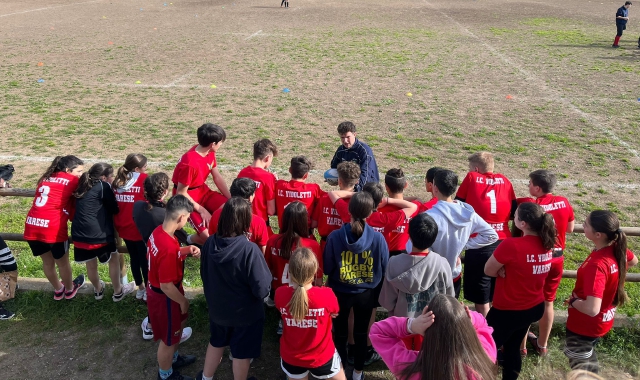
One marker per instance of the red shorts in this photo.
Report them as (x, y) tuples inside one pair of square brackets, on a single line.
[(165, 317), (553, 279), (211, 201), (413, 342)]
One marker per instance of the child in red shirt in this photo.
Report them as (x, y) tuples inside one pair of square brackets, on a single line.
[(264, 203), (190, 176), (306, 344), (45, 228), (297, 189), (294, 233), (599, 289), (168, 307), (521, 265)]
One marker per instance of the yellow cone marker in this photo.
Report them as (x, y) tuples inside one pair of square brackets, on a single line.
[(213, 86), (409, 94), (138, 82)]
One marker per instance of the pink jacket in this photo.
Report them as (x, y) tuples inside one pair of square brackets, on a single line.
[(386, 338)]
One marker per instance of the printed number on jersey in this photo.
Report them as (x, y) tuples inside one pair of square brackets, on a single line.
[(44, 196), (492, 197), (285, 275)]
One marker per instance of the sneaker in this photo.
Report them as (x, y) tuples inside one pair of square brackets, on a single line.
[(186, 334), (372, 356), (147, 332), (269, 302), (140, 293), (353, 376), (126, 289), (533, 339), (6, 314), (279, 329), (78, 283), (100, 294), (58, 294), (615, 46), (176, 376), (183, 361)]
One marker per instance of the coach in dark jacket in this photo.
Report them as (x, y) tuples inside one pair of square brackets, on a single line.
[(622, 16), (356, 151), (236, 279)]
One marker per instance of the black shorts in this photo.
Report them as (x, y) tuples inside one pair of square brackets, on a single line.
[(376, 294), (58, 250), (478, 287), (325, 371), (103, 254), (245, 342)]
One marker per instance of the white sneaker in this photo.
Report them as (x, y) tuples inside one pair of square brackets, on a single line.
[(186, 334), (126, 289), (140, 293), (100, 294), (269, 302), (147, 332)]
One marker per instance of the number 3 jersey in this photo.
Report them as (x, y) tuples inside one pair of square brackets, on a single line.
[(492, 197), (49, 213)]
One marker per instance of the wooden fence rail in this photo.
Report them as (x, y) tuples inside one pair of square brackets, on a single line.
[(11, 192)]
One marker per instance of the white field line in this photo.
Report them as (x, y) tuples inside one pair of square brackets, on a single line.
[(132, 85), (9, 158), (47, 8), (254, 35), (185, 76), (555, 95)]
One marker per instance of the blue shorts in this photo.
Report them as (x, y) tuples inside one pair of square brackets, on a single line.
[(245, 342)]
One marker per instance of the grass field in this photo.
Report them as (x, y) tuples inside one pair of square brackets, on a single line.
[(536, 82)]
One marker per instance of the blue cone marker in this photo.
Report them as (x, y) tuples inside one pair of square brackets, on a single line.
[(40, 80), (286, 90)]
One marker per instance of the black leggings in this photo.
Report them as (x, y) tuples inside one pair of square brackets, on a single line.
[(581, 352), (362, 305), (139, 265), (509, 329)]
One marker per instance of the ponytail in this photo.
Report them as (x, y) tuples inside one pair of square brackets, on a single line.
[(133, 161), (92, 177), (295, 224), (540, 222), (61, 164), (302, 270), (607, 223), (361, 206)]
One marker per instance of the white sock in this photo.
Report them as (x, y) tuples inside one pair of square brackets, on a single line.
[(206, 378), (356, 375), (125, 280)]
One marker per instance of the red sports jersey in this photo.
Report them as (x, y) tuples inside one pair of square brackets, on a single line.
[(491, 196), (597, 277), (192, 171), (126, 196), (47, 219), (386, 223), (561, 210), (527, 264), (265, 189), (399, 236), (166, 264), (330, 217), (257, 230), (279, 266), (428, 205), (307, 343), (291, 191)]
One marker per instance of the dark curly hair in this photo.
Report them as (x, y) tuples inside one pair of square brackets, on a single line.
[(154, 187)]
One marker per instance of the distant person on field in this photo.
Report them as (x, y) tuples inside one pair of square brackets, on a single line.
[(264, 202), (356, 151), (491, 195), (622, 16), (8, 267), (459, 226)]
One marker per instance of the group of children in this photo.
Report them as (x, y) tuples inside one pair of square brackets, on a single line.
[(375, 249)]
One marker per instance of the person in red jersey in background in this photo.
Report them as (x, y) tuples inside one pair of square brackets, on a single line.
[(45, 228), (264, 203), (306, 344), (258, 233), (599, 289), (492, 197), (294, 233), (395, 183), (190, 176), (521, 265), (297, 189), (329, 216), (128, 187), (541, 185)]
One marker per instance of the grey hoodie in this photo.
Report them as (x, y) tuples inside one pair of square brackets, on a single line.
[(457, 221), (411, 282)]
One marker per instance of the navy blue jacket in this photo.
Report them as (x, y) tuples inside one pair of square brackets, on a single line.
[(354, 266), (236, 279), (361, 154), (622, 12)]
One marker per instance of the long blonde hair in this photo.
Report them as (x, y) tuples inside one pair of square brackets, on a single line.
[(303, 266)]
